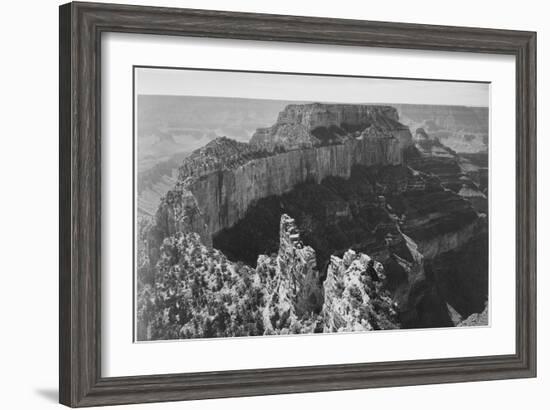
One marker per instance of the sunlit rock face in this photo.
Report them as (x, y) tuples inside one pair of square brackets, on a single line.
[(354, 298), (199, 293), (293, 272)]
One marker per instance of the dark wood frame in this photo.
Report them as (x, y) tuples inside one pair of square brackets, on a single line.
[(81, 26)]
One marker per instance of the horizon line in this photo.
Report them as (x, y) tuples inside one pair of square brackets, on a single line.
[(303, 102)]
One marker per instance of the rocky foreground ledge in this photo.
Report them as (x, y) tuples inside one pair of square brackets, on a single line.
[(202, 294)]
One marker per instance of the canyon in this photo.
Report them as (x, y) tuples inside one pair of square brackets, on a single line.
[(463, 129), (171, 127), (343, 208), (226, 177)]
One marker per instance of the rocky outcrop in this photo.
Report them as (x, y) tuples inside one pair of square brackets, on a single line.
[(476, 319), (220, 154), (199, 293), (324, 115), (179, 211), (296, 276), (309, 125), (354, 295)]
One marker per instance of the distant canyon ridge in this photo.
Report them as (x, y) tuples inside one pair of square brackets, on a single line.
[(172, 127)]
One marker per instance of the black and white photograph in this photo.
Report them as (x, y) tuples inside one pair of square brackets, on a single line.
[(275, 205), (362, 209)]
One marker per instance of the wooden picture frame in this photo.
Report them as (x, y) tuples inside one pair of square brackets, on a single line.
[(81, 27)]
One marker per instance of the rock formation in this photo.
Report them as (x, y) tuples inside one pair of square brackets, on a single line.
[(400, 216), (354, 295), (226, 177), (290, 278), (202, 294), (310, 125), (291, 203), (476, 319)]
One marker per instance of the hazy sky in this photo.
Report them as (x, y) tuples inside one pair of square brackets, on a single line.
[(309, 88)]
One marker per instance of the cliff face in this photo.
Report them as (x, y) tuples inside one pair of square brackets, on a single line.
[(224, 196), (226, 177), (325, 115)]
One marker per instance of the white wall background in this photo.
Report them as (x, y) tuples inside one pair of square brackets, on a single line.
[(28, 207)]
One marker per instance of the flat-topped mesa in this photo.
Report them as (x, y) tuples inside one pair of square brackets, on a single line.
[(317, 114), (310, 125)]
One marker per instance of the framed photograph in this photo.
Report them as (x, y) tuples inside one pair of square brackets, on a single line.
[(259, 204)]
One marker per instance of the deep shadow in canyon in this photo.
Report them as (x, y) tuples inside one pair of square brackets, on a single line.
[(376, 211)]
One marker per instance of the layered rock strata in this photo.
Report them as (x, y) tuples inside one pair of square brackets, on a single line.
[(309, 125), (226, 177)]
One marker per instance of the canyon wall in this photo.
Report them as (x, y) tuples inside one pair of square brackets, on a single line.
[(449, 241), (354, 295), (226, 177), (224, 196)]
